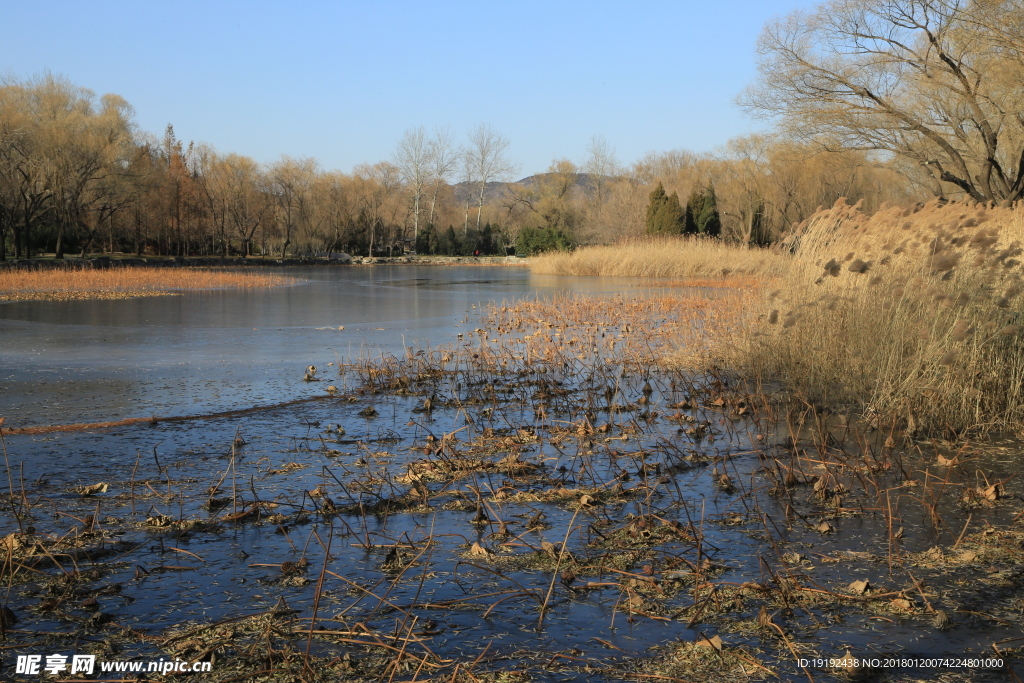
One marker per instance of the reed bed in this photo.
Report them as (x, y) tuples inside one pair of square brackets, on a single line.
[(908, 314), (674, 258), (120, 283)]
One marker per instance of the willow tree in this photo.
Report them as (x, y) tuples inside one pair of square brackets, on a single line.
[(79, 144), (24, 195), (291, 181), (243, 187), (937, 82)]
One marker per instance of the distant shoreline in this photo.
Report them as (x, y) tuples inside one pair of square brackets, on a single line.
[(104, 262)]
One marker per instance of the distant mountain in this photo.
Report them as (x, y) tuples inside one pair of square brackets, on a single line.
[(496, 190)]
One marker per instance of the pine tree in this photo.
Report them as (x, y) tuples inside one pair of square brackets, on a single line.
[(654, 208), (672, 217), (693, 208), (708, 221)]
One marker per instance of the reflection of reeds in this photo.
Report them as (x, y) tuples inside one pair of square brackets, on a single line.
[(115, 283)]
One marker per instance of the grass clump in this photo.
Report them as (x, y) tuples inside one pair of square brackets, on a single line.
[(121, 283)]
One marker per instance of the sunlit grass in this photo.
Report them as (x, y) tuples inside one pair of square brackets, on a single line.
[(120, 283), (909, 317), (673, 258)]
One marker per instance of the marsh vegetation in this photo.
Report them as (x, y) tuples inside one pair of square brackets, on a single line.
[(124, 282), (546, 498), (906, 314)]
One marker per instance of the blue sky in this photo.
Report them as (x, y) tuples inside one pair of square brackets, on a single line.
[(341, 81)]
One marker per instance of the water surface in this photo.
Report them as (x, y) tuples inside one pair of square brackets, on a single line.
[(202, 352)]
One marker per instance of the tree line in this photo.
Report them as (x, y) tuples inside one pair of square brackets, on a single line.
[(77, 175), (877, 102)]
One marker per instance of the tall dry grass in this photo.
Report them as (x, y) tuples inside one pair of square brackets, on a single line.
[(912, 316), (82, 283), (665, 257), (908, 316)]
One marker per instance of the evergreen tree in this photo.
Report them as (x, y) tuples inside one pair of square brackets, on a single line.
[(534, 241), (693, 208), (670, 219), (425, 239), (451, 246), (655, 207), (708, 221), (487, 240)]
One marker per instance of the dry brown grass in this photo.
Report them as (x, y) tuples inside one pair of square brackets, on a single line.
[(120, 283), (674, 258), (728, 282), (636, 329), (911, 315)]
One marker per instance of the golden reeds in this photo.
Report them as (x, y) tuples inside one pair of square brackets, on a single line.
[(119, 283), (680, 257), (864, 310), (906, 314)]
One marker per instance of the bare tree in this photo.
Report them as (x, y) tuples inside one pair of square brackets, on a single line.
[(291, 181), (444, 160), (248, 197), (937, 82), (413, 159), (333, 211), (600, 166), (486, 161), (77, 145), (376, 188), (466, 173), (24, 193)]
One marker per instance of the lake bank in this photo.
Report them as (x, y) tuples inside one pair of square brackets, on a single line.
[(912, 316), (337, 259)]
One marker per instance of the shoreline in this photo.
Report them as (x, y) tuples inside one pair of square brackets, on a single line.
[(105, 262), (95, 278)]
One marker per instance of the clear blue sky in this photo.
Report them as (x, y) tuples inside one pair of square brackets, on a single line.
[(341, 81)]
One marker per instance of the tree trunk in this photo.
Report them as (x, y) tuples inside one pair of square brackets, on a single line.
[(433, 202), (26, 238), (480, 203), (58, 252), (138, 236), (415, 220)]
